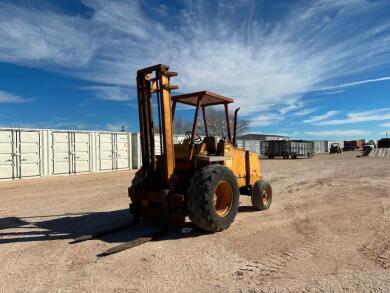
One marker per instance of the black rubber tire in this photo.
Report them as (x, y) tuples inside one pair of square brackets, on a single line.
[(199, 198), (257, 195), (136, 183)]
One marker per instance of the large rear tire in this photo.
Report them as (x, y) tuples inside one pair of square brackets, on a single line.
[(261, 195), (213, 198)]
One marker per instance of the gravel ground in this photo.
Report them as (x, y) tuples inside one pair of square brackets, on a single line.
[(327, 231)]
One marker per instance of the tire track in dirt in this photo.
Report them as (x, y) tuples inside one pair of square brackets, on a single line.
[(378, 249), (272, 264), (327, 283)]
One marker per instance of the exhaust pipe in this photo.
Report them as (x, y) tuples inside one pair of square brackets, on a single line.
[(235, 127)]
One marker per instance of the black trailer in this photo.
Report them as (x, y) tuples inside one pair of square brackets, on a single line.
[(384, 143), (287, 148)]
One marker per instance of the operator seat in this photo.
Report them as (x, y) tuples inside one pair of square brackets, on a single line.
[(211, 144)]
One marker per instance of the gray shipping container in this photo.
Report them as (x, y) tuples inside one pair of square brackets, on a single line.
[(320, 146)]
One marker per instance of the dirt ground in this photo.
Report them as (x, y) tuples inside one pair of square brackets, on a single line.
[(328, 230)]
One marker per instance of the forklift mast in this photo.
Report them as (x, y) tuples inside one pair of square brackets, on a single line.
[(155, 81)]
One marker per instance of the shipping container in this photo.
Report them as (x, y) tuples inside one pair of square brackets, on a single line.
[(20, 153), (114, 151), (43, 152), (251, 145), (320, 146)]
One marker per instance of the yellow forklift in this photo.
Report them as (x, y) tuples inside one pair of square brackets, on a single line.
[(200, 177)]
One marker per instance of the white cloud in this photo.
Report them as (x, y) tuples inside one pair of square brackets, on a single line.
[(223, 49), (111, 93), (64, 123), (40, 38), (356, 117), (10, 98), (264, 119), (305, 112), (290, 134), (116, 126), (291, 105), (56, 123), (318, 118), (355, 83), (386, 124), (338, 133)]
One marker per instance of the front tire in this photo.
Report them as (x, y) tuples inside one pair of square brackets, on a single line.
[(261, 195), (213, 198)]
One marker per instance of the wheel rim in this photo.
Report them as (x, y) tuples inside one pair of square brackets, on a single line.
[(223, 198), (266, 196)]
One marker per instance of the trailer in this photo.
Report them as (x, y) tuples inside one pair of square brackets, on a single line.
[(384, 143), (288, 149)]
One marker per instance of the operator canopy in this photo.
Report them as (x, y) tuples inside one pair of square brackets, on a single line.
[(206, 99)]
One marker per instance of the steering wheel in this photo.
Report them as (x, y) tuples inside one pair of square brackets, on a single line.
[(197, 138)]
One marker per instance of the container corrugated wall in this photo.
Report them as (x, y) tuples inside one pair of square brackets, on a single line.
[(42, 152), (321, 146), (251, 145)]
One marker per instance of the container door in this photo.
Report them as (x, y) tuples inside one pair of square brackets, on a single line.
[(81, 149), (6, 154), (30, 153), (157, 145), (106, 151), (61, 153), (122, 151)]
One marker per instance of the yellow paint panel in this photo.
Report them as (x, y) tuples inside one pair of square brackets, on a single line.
[(238, 164)]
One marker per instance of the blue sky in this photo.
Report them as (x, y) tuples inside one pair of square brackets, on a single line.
[(307, 69)]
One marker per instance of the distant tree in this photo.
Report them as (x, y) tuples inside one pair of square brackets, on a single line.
[(216, 122), (180, 126)]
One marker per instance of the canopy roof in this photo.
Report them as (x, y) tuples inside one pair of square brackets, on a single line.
[(206, 99)]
